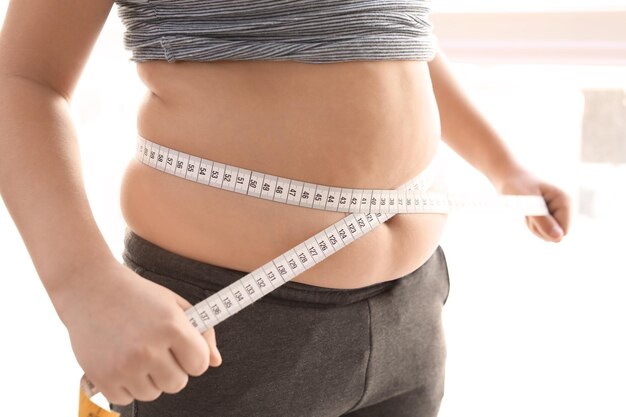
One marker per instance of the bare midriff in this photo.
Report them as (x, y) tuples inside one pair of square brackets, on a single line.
[(360, 124)]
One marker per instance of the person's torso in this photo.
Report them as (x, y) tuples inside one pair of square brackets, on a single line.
[(362, 124)]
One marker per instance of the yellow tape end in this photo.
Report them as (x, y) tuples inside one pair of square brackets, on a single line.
[(87, 408)]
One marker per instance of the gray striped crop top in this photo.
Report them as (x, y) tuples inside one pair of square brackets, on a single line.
[(313, 31)]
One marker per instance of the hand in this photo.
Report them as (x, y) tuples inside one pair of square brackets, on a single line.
[(131, 336), (551, 228)]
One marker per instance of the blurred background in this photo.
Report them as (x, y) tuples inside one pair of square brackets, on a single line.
[(533, 328)]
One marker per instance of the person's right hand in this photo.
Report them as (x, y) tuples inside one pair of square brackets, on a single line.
[(131, 336)]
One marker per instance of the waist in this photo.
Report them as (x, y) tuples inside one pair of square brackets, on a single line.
[(359, 126)]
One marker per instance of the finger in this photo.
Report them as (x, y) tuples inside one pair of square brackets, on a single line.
[(168, 376), (117, 395), (559, 204), (184, 304), (191, 352), (533, 228), (560, 208), (143, 388), (215, 358), (548, 227)]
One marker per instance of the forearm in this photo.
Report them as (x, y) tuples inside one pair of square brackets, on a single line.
[(41, 184), (465, 129)]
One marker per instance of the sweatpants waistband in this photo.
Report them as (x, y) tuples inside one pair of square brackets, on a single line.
[(139, 252)]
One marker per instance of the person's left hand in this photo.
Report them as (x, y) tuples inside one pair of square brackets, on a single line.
[(553, 227)]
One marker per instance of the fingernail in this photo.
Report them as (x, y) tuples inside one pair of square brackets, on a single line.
[(556, 231)]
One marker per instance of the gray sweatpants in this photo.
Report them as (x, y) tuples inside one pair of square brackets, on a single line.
[(308, 351)]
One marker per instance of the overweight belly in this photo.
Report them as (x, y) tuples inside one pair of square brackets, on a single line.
[(357, 124)]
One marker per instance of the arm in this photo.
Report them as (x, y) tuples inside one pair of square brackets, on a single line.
[(44, 45), (40, 172), (469, 134), (464, 128)]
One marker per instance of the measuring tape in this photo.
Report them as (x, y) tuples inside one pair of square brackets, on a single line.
[(368, 208)]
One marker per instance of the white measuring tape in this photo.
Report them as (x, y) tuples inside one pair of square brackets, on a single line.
[(372, 208), (369, 207)]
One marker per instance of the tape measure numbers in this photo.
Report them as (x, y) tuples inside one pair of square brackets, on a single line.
[(367, 208)]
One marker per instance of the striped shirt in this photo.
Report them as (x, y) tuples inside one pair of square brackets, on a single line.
[(313, 31)]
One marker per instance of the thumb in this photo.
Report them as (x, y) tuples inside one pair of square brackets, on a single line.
[(215, 358), (548, 227), (184, 304)]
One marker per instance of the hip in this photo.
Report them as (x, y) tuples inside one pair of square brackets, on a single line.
[(387, 344)]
